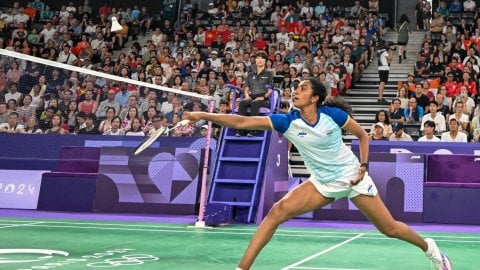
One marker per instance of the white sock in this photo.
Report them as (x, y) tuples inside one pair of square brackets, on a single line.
[(429, 251)]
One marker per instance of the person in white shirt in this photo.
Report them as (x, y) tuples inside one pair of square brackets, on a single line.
[(469, 5), (282, 36), (428, 129), (469, 103), (65, 56), (47, 32), (12, 125), (20, 18), (399, 134), (437, 118), (459, 114), (454, 135)]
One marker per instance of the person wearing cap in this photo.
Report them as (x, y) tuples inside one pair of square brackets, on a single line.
[(377, 134), (399, 133), (428, 132), (214, 60), (382, 117), (454, 135), (256, 94), (421, 65)]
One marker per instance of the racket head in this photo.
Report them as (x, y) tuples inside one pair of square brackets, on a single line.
[(151, 139)]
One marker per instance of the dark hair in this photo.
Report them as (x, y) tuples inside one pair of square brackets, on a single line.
[(387, 117), (429, 123), (320, 91), (403, 18)]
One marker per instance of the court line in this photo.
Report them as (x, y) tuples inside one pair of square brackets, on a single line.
[(323, 252), (18, 225), (327, 268), (283, 231), (186, 230)]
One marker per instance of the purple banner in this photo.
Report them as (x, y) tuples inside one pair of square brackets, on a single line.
[(159, 180), (421, 147), (19, 189)]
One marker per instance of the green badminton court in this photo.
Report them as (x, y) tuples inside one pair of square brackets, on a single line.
[(27, 243)]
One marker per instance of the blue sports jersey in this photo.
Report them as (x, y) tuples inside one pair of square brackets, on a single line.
[(325, 155)]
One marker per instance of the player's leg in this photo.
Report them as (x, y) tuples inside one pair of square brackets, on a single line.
[(376, 211), (302, 199)]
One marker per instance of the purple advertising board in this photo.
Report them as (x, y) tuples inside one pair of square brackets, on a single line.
[(161, 180), (441, 148), (19, 189)]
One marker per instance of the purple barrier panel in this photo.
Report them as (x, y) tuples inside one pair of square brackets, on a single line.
[(456, 205), (67, 192), (162, 180), (399, 179), (275, 181), (19, 189), (453, 168), (79, 159), (421, 147)]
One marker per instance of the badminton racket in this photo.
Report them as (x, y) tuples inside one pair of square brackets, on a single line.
[(157, 134)]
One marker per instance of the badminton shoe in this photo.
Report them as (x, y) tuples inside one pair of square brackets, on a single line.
[(439, 260)]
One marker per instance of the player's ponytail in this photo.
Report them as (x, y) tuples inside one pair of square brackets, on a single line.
[(320, 91)]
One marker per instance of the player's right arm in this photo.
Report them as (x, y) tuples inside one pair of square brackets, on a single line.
[(232, 120)]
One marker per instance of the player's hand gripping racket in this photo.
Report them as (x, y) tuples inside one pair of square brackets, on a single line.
[(156, 134)]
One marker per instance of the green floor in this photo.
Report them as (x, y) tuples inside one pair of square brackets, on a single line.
[(120, 245)]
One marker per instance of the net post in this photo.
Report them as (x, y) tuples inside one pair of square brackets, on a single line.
[(203, 191)]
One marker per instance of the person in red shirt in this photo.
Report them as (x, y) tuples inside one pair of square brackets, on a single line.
[(452, 86), (260, 43), (469, 83), (105, 9)]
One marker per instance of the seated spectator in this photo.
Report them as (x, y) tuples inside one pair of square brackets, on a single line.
[(397, 113), (378, 131), (12, 125), (413, 113), (436, 25), (32, 126), (89, 125), (475, 125), (107, 122), (382, 117), (399, 134), (455, 7), (437, 118), (3, 112), (428, 128), (462, 118), (443, 105), (453, 135), (56, 127), (469, 6), (135, 129), (115, 127)]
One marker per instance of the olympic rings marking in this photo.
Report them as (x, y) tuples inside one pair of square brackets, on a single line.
[(131, 259)]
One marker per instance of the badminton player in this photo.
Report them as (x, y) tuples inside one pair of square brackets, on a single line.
[(314, 127)]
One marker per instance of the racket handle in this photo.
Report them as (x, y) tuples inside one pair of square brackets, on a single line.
[(182, 123)]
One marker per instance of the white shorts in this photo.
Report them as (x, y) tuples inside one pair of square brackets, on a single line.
[(342, 188)]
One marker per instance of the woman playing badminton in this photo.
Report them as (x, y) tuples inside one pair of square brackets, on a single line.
[(314, 127)]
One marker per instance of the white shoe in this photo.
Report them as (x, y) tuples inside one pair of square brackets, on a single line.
[(439, 260)]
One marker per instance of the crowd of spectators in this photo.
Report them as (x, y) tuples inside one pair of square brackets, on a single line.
[(444, 85), (332, 43)]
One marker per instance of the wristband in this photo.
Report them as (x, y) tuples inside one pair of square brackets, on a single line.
[(365, 164)]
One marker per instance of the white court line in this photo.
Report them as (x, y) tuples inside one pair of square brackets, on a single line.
[(226, 232), (250, 229), (5, 226), (323, 252), (327, 268)]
